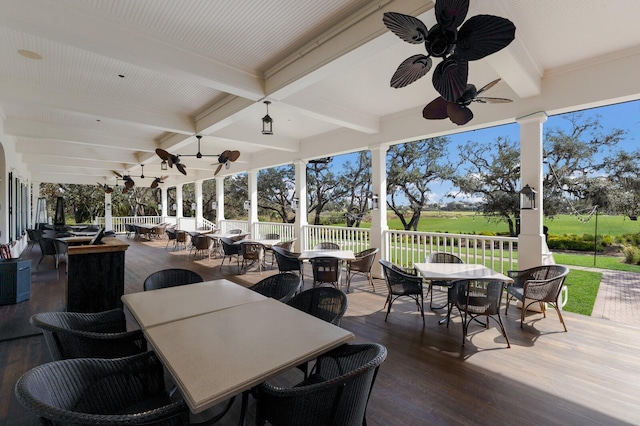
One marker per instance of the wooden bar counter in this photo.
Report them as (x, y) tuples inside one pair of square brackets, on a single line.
[(95, 279)]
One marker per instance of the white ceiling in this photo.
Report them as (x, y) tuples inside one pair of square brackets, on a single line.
[(205, 67)]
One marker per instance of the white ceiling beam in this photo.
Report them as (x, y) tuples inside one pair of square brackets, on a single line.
[(152, 51), (33, 129), (514, 63), (221, 114), (23, 93), (95, 173), (333, 113), (39, 159), (62, 178), (246, 136), (350, 41), (78, 152)]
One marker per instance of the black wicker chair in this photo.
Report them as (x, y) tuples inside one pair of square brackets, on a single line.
[(171, 236), (326, 303), (401, 283), (229, 250), (336, 394), (280, 286), (34, 235), (541, 284), (288, 261), (326, 246), (47, 248), (326, 270), (440, 257), (477, 298), (96, 391), (171, 278), (88, 335), (252, 252), (362, 265)]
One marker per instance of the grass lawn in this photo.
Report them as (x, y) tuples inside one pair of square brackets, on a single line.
[(583, 289)]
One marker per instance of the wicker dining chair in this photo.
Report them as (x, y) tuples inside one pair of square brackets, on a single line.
[(171, 277), (326, 246), (229, 250), (401, 283), (476, 298), (440, 257), (98, 391), (362, 265), (336, 394), (541, 284), (88, 335), (327, 303), (252, 252), (280, 286), (326, 269)]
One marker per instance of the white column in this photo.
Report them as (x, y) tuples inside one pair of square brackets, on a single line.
[(531, 239), (302, 212), (35, 194), (179, 213), (198, 193), (108, 217), (163, 202), (252, 180), (379, 216), (220, 201)]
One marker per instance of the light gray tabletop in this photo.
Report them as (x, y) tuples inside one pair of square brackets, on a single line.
[(217, 355), (340, 254), (458, 271), (154, 307)]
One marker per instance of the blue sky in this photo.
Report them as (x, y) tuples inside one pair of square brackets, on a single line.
[(624, 116)]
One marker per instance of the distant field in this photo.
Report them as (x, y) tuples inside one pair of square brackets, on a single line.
[(471, 223)]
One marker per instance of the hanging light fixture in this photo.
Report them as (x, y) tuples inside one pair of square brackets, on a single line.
[(163, 165), (528, 198), (267, 122)]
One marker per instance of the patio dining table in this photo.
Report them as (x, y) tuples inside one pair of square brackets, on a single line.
[(452, 272), (340, 254), (223, 347)]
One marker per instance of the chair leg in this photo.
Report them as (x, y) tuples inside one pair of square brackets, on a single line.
[(504, 331), (371, 281), (560, 316)]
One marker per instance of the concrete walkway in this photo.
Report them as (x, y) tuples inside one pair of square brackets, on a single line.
[(618, 297)]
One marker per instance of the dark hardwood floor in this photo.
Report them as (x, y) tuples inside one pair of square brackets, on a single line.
[(588, 376)]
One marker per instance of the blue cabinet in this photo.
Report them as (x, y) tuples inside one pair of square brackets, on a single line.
[(15, 281)]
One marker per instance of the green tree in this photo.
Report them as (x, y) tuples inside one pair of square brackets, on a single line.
[(356, 179), (412, 167), (324, 187), (276, 190), (492, 171)]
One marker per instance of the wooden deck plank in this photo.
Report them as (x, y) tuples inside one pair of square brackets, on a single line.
[(588, 376)]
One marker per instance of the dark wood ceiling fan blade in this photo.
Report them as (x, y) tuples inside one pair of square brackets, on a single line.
[(117, 174), (154, 184), (181, 168), (459, 114), (489, 86), (485, 100), (436, 109), (234, 155), (125, 190), (108, 190), (164, 155), (218, 169), (129, 183)]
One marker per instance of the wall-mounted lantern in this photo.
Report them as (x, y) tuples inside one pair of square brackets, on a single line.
[(214, 205), (294, 204), (193, 206), (174, 207), (527, 198), (159, 207), (247, 204)]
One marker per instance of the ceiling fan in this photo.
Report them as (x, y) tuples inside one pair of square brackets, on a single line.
[(171, 159), (480, 36), (458, 111), (106, 188), (128, 182)]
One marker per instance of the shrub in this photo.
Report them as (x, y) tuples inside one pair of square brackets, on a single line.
[(631, 255)]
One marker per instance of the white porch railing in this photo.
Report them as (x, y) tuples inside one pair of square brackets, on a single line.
[(356, 239), (286, 231), (406, 248), (120, 221), (401, 247), (227, 225)]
